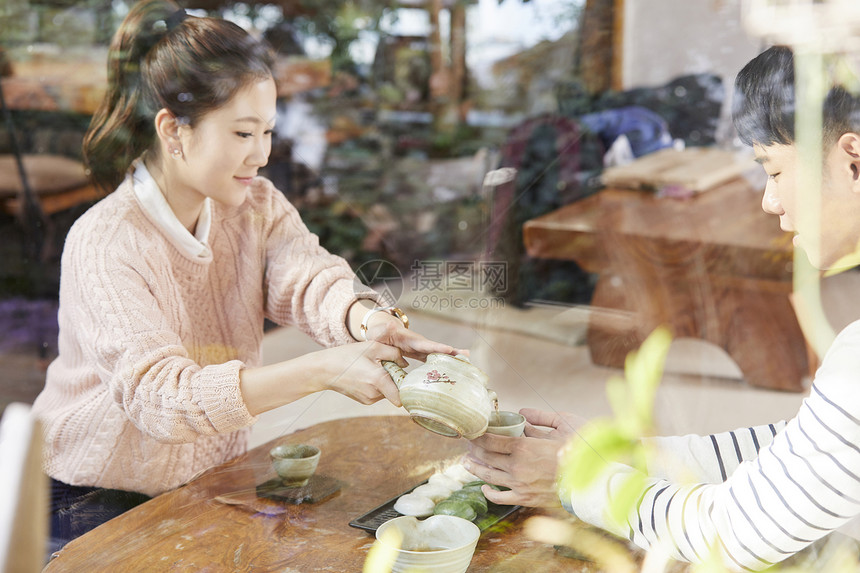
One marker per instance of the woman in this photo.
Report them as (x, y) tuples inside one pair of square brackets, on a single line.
[(166, 282)]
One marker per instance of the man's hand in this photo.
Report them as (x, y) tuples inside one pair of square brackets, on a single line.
[(527, 465)]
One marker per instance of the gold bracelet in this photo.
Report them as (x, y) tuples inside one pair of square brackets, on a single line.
[(392, 310)]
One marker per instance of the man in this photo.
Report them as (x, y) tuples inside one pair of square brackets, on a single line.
[(763, 493)]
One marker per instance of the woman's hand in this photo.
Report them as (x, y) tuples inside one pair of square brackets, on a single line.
[(527, 465), (392, 332), (355, 370), (367, 321)]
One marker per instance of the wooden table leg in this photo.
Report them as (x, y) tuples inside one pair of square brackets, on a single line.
[(763, 337), (752, 320), (612, 327)]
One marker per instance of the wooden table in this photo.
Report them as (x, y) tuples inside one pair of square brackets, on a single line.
[(376, 458), (713, 267)]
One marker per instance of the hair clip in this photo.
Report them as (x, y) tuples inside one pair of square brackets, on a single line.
[(175, 19)]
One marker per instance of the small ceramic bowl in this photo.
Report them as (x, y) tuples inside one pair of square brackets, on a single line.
[(295, 463), (440, 543), (506, 424)]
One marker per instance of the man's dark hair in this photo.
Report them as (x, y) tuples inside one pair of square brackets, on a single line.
[(764, 102)]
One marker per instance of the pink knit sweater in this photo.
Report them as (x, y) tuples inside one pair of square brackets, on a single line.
[(145, 391)]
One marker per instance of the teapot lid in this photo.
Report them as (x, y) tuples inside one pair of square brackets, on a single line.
[(460, 357), (452, 360)]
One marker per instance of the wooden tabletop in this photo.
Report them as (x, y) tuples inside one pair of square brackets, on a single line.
[(730, 214), (727, 219), (216, 522)]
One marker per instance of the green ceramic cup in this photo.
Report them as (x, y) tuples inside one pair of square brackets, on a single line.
[(295, 463)]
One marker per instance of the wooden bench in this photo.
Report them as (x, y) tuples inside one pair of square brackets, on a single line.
[(713, 267), (57, 183)]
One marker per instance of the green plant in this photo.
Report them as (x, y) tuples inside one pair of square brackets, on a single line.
[(618, 438), (339, 24)]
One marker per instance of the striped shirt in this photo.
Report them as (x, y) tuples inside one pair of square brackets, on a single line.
[(755, 495)]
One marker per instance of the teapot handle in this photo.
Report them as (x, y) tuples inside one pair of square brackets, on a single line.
[(396, 372)]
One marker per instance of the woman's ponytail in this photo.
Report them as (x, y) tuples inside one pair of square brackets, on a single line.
[(160, 60), (122, 127)]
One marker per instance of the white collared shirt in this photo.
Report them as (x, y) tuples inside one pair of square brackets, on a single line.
[(154, 203)]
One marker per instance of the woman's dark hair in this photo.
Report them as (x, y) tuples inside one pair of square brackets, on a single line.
[(764, 102), (160, 59)]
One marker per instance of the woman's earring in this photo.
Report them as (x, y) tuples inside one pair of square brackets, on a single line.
[(176, 152)]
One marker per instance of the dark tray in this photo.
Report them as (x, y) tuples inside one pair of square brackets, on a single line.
[(379, 515)]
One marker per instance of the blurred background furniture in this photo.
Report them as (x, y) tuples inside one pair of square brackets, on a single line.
[(34, 186), (56, 183), (713, 267)]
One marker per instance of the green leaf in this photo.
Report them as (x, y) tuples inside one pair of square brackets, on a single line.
[(626, 497), (618, 393), (643, 369), (618, 439), (601, 442)]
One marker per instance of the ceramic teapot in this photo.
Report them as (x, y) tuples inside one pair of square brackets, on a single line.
[(447, 395)]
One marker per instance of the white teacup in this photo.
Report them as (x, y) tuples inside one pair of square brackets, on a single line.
[(440, 543), (506, 423)]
